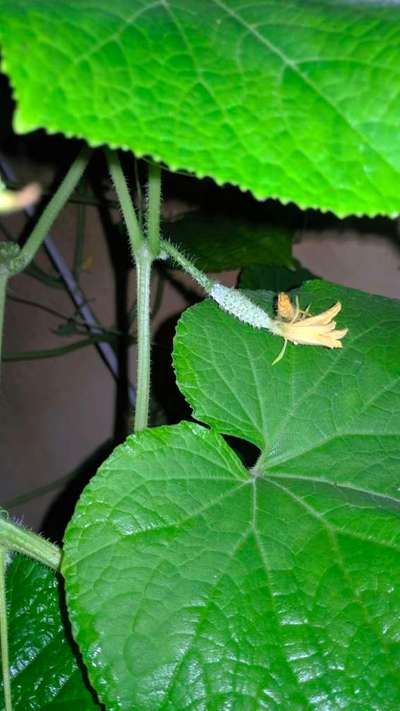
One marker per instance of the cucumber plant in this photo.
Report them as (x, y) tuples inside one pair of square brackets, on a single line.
[(193, 581)]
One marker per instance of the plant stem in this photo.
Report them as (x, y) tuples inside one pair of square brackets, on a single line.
[(105, 350), (143, 277), (15, 538), (230, 300), (37, 493), (153, 209), (55, 205), (5, 662), (57, 352), (128, 210), (198, 276)]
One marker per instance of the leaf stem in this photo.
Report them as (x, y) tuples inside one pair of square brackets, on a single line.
[(233, 301), (53, 207), (139, 193), (37, 493), (20, 540), (158, 295), (177, 256), (5, 661), (58, 351), (128, 210), (143, 278), (153, 209), (33, 270)]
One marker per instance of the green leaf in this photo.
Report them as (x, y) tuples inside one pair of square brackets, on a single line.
[(296, 100), (218, 242), (43, 666), (195, 583), (318, 390), (262, 276)]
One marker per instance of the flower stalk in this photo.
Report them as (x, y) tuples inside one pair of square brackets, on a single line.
[(19, 540)]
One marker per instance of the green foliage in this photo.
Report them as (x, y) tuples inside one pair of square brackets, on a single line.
[(296, 100), (218, 242), (193, 582), (260, 276), (43, 666)]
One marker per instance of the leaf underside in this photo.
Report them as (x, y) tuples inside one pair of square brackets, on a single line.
[(194, 583), (218, 242), (276, 279), (293, 100)]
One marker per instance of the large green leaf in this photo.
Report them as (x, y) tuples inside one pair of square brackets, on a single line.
[(218, 242), (44, 671), (194, 583), (297, 100)]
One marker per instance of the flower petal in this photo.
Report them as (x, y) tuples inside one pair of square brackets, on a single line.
[(317, 330), (325, 316)]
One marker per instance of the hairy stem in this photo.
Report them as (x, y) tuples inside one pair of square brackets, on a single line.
[(58, 351), (5, 662), (143, 277), (233, 301), (139, 193), (128, 210), (37, 493), (55, 205), (153, 209), (14, 538), (198, 276)]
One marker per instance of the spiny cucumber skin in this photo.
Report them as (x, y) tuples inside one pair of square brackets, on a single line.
[(237, 304)]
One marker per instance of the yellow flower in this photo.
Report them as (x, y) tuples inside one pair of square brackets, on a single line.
[(317, 330)]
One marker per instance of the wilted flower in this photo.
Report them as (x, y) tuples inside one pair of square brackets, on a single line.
[(298, 327), (10, 201), (286, 310)]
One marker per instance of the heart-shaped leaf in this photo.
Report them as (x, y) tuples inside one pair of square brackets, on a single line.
[(45, 673), (296, 100), (193, 582)]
